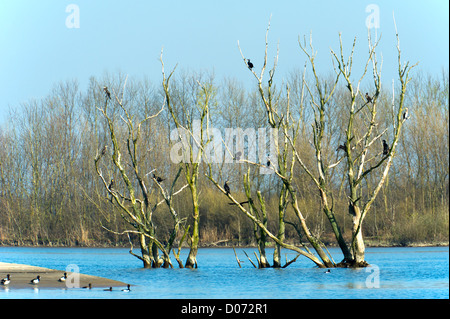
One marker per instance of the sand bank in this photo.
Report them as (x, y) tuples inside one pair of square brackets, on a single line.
[(21, 275)]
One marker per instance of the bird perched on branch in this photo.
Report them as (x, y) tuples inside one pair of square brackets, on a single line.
[(158, 179), (368, 98), (268, 163), (405, 115), (226, 188), (385, 148), (342, 147), (108, 94), (111, 188), (249, 64), (111, 185)]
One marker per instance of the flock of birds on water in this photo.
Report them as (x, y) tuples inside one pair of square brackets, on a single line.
[(7, 280)]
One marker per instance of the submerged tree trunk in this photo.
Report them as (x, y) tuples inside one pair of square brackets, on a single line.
[(282, 203), (146, 257), (191, 261), (358, 247)]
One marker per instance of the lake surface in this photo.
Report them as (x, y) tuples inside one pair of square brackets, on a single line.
[(395, 273)]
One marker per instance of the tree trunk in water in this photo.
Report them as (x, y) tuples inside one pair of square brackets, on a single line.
[(358, 247), (277, 257), (145, 254), (335, 227), (314, 243), (263, 263), (191, 261), (156, 260), (281, 228)]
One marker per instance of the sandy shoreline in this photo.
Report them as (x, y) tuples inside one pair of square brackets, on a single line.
[(21, 275)]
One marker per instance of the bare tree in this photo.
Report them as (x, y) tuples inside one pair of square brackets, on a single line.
[(137, 204), (193, 141), (362, 143), (283, 167), (361, 135)]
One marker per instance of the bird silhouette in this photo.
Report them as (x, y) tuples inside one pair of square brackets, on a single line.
[(342, 147), (111, 188), (249, 64), (405, 115), (108, 94), (111, 185), (385, 148), (226, 188), (368, 98), (158, 179)]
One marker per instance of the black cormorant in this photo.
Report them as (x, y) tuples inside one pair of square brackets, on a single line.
[(108, 94), (368, 98), (385, 148), (341, 147), (405, 115), (111, 188), (226, 188), (249, 64), (111, 185), (158, 179)]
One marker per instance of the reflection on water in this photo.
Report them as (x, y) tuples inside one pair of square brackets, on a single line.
[(395, 273)]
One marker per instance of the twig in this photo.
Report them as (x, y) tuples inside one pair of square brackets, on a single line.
[(237, 259), (249, 259), (290, 262)]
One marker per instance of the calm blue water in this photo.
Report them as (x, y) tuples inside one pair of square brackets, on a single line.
[(397, 273)]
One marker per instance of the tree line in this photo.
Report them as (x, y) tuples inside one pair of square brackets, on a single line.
[(60, 185)]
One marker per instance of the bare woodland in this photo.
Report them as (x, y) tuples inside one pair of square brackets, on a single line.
[(93, 167)]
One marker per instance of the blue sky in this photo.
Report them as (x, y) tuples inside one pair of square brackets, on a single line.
[(38, 49)]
